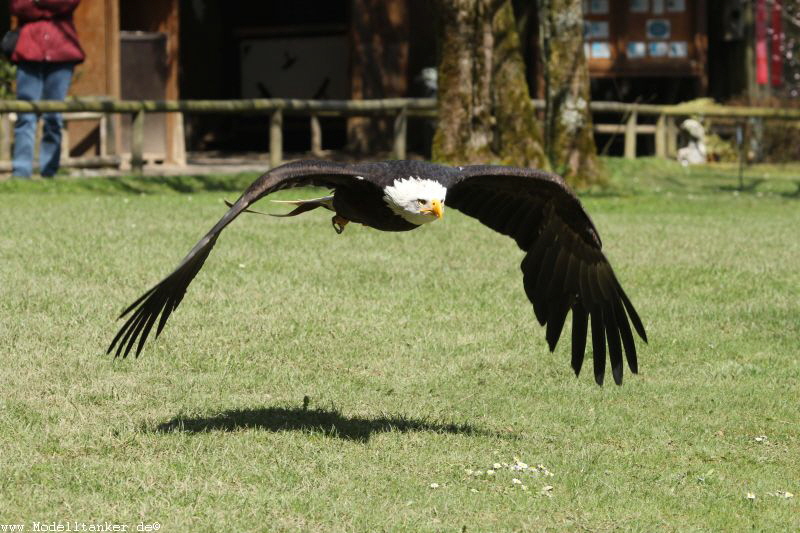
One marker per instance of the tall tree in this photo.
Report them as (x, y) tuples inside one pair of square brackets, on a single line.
[(569, 135), (485, 111)]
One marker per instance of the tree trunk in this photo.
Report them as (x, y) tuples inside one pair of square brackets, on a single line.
[(569, 135), (485, 112)]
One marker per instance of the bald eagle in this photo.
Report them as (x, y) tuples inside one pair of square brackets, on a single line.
[(564, 268)]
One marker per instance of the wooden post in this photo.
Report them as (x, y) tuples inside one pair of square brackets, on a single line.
[(37, 142), (111, 133), (630, 135), (5, 137), (137, 142), (672, 137), (661, 134), (178, 148), (64, 158), (103, 135), (276, 138), (316, 135), (400, 127)]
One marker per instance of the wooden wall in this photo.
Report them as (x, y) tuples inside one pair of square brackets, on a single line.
[(618, 43), (161, 16), (97, 22)]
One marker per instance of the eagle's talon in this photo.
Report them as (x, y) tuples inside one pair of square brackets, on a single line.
[(339, 223)]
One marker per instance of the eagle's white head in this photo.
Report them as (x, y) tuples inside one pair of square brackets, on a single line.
[(417, 200)]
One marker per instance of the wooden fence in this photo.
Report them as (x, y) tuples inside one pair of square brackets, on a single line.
[(664, 127)]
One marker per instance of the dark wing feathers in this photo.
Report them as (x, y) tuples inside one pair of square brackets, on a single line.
[(580, 323), (564, 268), (598, 346), (165, 297)]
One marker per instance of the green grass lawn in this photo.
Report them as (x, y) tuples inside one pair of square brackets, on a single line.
[(420, 357)]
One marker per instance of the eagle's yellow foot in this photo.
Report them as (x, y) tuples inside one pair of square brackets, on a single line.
[(339, 223)]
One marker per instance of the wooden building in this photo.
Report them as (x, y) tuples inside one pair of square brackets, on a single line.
[(646, 50), (656, 39), (337, 49), (132, 51)]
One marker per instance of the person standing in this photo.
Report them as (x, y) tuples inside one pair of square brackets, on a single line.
[(46, 54)]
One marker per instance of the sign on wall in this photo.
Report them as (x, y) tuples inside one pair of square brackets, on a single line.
[(642, 37), (295, 67)]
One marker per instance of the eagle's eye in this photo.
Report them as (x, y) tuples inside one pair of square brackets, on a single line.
[(420, 201)]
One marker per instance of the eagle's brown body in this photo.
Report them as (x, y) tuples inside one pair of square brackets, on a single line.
[(364, 205)]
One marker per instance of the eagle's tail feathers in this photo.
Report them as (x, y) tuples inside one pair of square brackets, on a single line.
[(302, 206)]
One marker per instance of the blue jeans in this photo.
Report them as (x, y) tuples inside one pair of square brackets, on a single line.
[(39, 81)]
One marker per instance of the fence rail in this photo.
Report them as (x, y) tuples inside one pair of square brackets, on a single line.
[(664, 129)]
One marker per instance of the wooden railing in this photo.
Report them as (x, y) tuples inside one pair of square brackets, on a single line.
[(665, 128)]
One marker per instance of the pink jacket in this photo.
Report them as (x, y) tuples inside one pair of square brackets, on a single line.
[(46, 31)]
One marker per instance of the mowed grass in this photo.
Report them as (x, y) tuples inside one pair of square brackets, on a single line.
[(420, 359)]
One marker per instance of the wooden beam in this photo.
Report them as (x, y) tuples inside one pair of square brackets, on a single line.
[(661, 134), (64, 144), (630, 135), (170, 25), (178, 143), (5, 137), (665, 128), (276, 138), (137, 142), (388, 106), (316, 135), (113, 76), (400, 129), (104, 134), (641, 129), (672, 137), (112, 136)]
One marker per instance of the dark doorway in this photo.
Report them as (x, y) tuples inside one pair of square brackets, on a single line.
[(280, 49)]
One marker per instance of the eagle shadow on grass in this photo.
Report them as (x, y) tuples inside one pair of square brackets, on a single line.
[(743, 187), (319, 421), (795, 193)]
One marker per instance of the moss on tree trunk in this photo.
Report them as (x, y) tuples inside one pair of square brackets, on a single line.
[(485, 112), (569, 135)]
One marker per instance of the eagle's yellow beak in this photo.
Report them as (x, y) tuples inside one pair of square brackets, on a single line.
[(436, 208)]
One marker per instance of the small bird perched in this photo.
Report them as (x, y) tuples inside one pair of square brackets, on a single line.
[(563, 270)]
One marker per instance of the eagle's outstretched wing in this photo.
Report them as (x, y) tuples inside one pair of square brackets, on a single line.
[(564, 268), (164, 297)]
